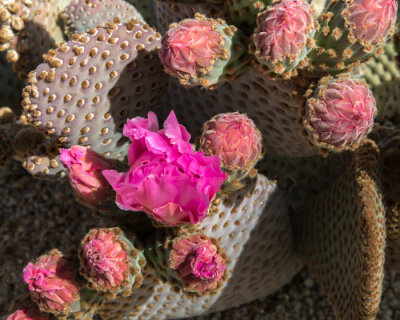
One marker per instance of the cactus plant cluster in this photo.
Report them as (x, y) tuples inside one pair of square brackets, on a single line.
[(278, 149)]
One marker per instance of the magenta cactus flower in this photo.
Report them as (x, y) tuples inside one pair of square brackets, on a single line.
[(234, 138), (340, 114), (52, 284), (371, 21), (191, 46), (104, 260), (196, 261), (84, 172), (27, 310), (283, 34), (167, 179)]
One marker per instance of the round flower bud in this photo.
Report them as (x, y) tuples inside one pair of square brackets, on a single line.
[(110, 262), (191, 46), (283, 35), (204, 52), (234, 138), (84, 172), (340, 114), (197, 263), (52, 284), (27, 310), (371, 21)]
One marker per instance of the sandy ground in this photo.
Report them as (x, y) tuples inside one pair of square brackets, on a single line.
[(36, 216)]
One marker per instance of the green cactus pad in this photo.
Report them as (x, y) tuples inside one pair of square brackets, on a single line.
[(89, 86), (341, 235), (383, 78), (82, 15)]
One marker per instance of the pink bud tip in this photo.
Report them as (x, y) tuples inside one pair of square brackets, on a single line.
[(27, 310), (371, 20), (197, 262), (340, 114), (190, 47), (85, 166), (283, 30), (105, 262), (234, 138), (51, 281)]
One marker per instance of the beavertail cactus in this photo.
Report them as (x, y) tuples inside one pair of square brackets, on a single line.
[(217, 233), (167, 179), (234, 138), (52, 283), (340, 114), (84, 172), (203, 51), (350, 32), (110, 262), (283, 36)]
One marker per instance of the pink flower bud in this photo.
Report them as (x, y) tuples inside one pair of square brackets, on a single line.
[(51, 281), (85, 166), (371, 20), (197, 263), (168, 180), (104, 261), (190, 47), (283, 31), (340, 114), (234, 138), (27, 310)]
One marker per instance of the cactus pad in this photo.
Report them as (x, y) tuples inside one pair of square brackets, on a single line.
[(341, 235), (83, 15), (274, 106), (252, 227), (93, 84)]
